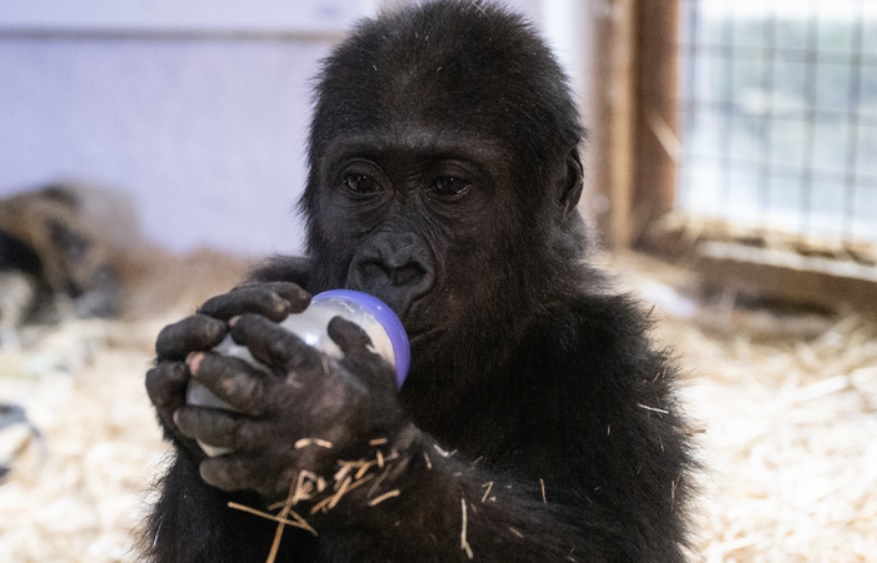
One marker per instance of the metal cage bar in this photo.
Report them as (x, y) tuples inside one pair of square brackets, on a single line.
[(778, 102)]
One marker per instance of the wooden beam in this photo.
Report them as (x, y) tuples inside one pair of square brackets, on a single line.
[(612, 137), (787, 276), (656, 119)]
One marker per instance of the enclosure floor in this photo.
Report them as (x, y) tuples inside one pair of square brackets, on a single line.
[(787, 405)]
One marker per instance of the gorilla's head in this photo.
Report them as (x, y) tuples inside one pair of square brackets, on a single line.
[(444, 169)]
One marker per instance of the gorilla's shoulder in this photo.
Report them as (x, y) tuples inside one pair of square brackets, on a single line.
[(598, 333), (605, 313)]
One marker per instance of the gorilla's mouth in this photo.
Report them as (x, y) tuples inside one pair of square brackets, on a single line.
[(423, 336)]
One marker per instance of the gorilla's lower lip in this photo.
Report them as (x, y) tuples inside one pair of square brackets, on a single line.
[(419, 335)]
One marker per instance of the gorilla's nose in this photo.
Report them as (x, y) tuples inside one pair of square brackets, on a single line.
[(397, 268)]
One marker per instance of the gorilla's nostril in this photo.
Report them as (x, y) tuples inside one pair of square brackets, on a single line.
[(373, 270), (408, 275)]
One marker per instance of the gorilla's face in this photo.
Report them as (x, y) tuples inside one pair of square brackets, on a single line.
[(421, 219)]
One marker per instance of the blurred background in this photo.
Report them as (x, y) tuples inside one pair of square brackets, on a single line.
[(198, 111), (152, 150)]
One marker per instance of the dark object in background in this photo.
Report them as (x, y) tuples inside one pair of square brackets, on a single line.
[(52, 261), (17, 434)]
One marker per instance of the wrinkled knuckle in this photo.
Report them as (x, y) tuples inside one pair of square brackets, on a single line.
[(297, 297), (212, 327), (280, 349), (277, 303), (247, 322), (245, 435), (252, 396)]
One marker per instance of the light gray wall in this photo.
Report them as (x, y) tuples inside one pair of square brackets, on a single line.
[(198, 114), (205, 135)]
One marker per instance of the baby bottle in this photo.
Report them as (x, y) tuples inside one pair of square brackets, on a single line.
[(380, 323)]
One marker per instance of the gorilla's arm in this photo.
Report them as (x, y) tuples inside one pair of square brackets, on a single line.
[(444, 508), (295, 269), (412, 496)]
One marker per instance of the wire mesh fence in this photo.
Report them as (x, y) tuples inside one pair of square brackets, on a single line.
[(778, 101)]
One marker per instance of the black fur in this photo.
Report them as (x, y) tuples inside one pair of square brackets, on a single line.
[(567, 440)]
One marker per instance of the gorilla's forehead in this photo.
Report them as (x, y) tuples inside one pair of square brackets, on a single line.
[(418, 140)]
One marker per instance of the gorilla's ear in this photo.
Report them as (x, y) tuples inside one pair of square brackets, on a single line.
[(573, 181)]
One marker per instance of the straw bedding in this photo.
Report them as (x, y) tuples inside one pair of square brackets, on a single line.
[(788, 403)]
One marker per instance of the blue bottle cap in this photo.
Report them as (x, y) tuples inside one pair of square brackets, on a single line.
[(386, 317)]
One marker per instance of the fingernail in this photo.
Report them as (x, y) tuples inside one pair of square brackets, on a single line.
[(193, 360)]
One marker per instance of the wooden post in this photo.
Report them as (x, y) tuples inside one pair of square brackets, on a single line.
[(656, 129), (612, 140)]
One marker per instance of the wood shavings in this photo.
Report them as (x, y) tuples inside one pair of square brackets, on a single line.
[(441, 452), (342, 487), (305, 442), (488, 488), (305, 485), (790, 451), (464, 543), (652, 409), (386, 496), (377, 484), (297, 522)]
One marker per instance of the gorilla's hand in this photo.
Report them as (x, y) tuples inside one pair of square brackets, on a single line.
[(308, 413), (166, 383)]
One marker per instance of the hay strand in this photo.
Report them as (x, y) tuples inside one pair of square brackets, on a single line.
[(464, 543)]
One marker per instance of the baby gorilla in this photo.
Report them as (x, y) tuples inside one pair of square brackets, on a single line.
[(537, 422)]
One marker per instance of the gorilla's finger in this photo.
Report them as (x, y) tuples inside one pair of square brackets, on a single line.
[(357, 348), (236, 382), (260, 299), (197, 332), (218, 428), (298, 298), (273, 345), (350, 337), (166, 386), (233, 473)]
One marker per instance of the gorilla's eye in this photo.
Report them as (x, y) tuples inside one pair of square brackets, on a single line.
[(361, 185), (449, 187)]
